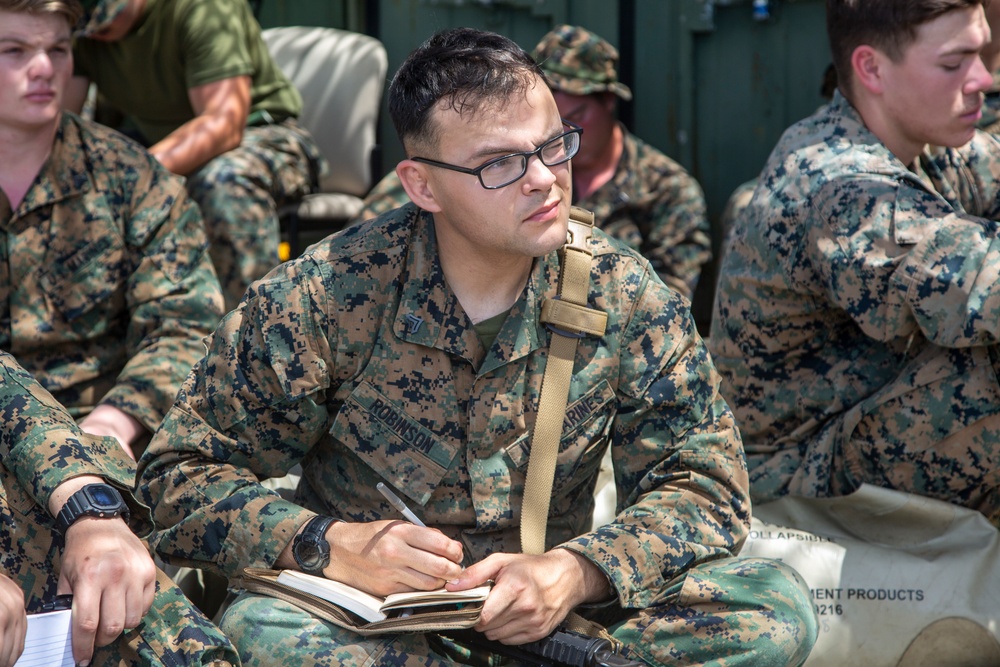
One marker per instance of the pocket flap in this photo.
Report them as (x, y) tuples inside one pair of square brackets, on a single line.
[(411, 457)]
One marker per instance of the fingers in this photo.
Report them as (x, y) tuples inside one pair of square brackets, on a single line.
[(419, 558), (478, 574), (435, 542), (529, 597), (513, 619), (435, 555), (383, 557), (86, 618), (13, 622), (112, 578), (145, 601)]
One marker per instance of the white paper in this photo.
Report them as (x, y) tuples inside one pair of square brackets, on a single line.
[(48, 641)]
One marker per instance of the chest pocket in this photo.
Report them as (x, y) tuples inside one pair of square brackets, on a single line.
[(86, 280), (584, 439), (395, 445)]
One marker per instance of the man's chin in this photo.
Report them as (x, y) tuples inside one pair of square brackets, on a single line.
[(957, 138), (961, 138), (554, 237)]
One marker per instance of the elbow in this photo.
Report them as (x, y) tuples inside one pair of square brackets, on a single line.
[(229, 138), (234, 136)]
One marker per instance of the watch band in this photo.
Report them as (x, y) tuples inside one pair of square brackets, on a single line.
[(93, 500)]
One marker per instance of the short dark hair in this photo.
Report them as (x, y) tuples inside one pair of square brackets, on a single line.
[(887, 25), (468, 69), (68, 9)]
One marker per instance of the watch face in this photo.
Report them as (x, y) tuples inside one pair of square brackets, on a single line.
[(308, 554), (102, 496)]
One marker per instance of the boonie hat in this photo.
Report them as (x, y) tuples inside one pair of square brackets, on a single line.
[(578, 62), (97, 14)]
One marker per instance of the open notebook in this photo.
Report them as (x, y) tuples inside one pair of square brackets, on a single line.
[(346, 606)]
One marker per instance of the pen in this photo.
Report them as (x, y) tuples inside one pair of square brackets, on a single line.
[(399, 504), (58, 603)]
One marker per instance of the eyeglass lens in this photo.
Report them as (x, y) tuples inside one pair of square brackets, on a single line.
[(507, 170)]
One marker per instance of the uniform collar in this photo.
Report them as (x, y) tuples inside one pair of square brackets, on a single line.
[(429, 314), (851, 128), (65, 174)]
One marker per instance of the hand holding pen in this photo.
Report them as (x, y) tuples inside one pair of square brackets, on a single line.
[(408, 514)]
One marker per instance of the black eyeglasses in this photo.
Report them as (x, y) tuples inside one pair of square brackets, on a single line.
[(502, 171)]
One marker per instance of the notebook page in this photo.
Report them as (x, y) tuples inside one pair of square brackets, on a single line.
[(48, 642)]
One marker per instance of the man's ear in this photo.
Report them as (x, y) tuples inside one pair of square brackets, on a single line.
[(413, 176), (867, 64)]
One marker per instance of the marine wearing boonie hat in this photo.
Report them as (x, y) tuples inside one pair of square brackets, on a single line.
[(97, 14), (578, 62)]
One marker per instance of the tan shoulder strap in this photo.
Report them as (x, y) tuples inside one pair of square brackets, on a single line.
[(569, 319)]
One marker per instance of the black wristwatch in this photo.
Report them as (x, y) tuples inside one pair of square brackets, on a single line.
[(310, 548), (96, 500)]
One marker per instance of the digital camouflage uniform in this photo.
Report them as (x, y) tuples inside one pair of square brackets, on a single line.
[(40, 448), (106, 289), (857, 317), (358, 361), (651, 203), (184, 44)]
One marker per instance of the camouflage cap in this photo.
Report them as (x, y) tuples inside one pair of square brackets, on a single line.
[(578, 62), (97, 14)]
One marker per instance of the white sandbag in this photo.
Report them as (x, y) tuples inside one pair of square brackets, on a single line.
[(897, 580)]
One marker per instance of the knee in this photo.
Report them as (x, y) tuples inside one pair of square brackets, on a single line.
[(785, 609), (750, 611), (222, 178)]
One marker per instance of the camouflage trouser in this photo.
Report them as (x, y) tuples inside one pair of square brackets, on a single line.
[(240, 193), (725, 613), (934, 431), (173, 633)]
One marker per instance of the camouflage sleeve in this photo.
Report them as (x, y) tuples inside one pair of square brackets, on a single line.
[(678, 457), (174, 298), (976, 164), (43, 447), (899, 259), (248, 411), (677, 241)]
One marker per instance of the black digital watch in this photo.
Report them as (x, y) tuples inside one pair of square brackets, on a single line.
[(310, 548), (94, 500)]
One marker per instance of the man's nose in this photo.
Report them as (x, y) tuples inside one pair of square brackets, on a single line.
[(40, 65), (538, 176), (981, 79)]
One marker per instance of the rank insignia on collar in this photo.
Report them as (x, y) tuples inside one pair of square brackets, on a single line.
[(413, 323)]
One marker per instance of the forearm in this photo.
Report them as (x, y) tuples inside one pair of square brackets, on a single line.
[(38, 432), (196, 142), (59, 462)]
